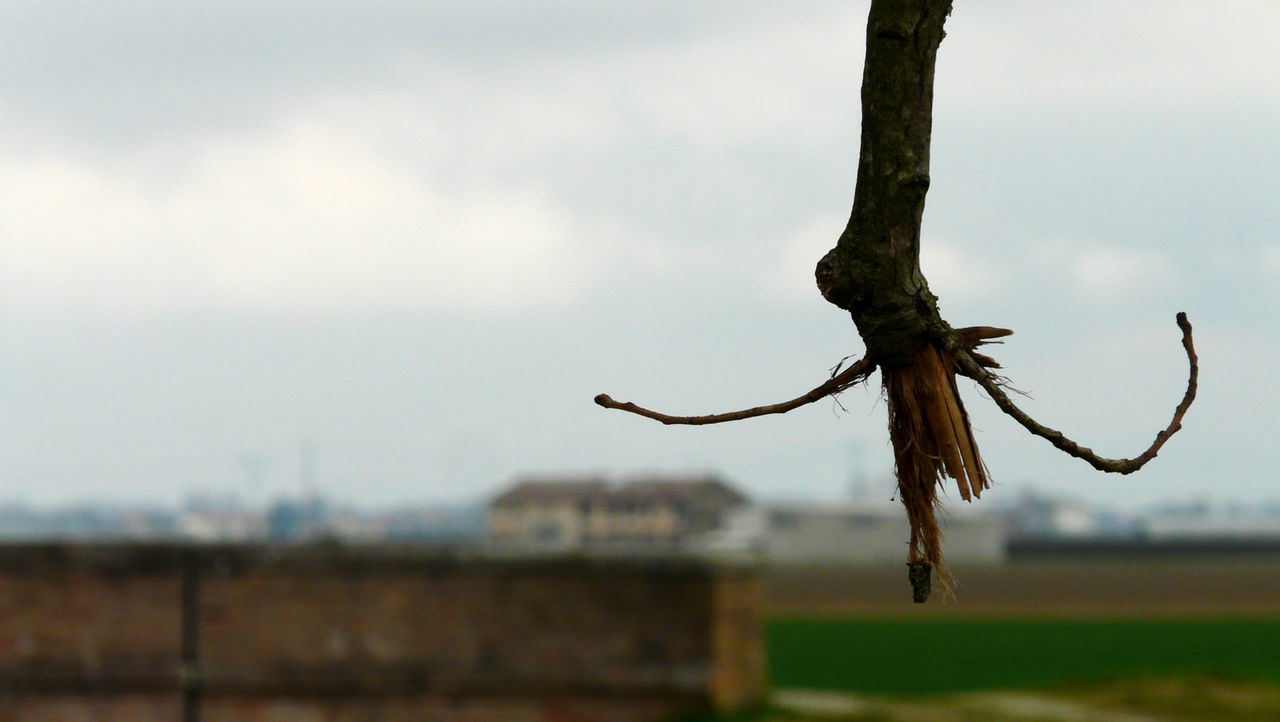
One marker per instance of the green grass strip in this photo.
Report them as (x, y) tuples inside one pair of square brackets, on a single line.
[(948, 655)]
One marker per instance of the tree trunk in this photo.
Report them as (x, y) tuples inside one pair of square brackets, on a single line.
[(874, 270), (874, 273)]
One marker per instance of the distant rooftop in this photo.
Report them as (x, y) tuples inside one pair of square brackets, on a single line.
[(598, 489)]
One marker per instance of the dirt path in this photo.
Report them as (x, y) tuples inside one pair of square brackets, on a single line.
[(993, 706)]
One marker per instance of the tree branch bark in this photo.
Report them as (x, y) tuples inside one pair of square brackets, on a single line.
[(855, 374), (971, 368), (874, 270)]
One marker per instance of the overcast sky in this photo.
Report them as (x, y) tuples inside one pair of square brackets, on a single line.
[(420, 237)]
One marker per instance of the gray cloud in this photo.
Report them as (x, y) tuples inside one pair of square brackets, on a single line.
[(124, 72), (398, 229)]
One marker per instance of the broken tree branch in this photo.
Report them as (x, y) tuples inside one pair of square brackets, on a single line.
[(855, 374), (988, 381), (874, 274)]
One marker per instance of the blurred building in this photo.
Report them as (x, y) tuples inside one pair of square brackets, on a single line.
[(213, 517), (454, 524), (85, 521), (1035, 514), (1200, 519), (564, 514), (301, 519), (864, 532)]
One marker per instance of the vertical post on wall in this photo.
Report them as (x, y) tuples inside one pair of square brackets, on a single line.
[(190, 673)]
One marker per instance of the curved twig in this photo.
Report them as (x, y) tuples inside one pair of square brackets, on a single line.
[(856, 373), (973, 370)]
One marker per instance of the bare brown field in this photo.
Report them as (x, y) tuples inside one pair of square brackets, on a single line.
[(1057, 588)]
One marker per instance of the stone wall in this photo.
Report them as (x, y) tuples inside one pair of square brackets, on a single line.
[(163, 632)]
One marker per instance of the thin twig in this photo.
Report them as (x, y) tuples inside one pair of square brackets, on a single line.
[(856, 373), (985, 378)]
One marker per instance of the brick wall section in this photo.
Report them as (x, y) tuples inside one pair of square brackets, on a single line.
[(59, 605), (91, 708), (91, 632), (434, 709), (738, 675)]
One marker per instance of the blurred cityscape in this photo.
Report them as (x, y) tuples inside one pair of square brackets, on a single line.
[(692, 512), (629, 597)]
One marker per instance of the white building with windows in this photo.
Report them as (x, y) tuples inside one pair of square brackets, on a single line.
[(560, 514)]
